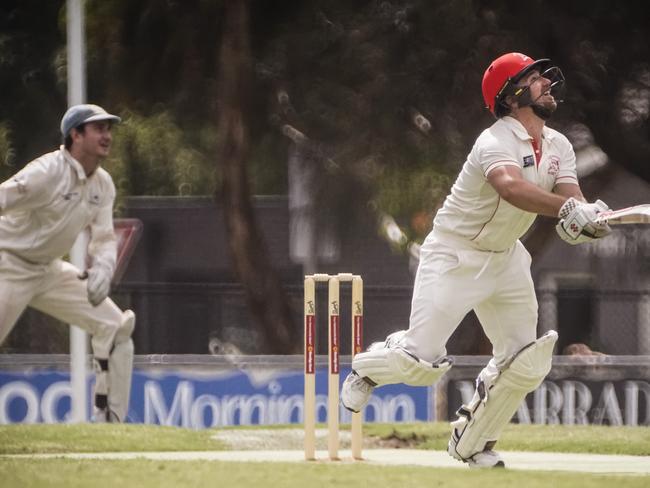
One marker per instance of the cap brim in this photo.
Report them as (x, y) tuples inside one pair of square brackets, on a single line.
[(95, 118)]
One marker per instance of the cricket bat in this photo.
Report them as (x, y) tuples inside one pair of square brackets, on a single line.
[(637, 214)]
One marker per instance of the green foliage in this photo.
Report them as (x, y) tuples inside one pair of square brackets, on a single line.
[(408, 193), (6, 152), (267, 169), (152, 156), (31, 101), (354, 74)]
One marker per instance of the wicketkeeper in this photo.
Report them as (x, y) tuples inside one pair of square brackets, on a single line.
[(43, 208), (473, 259)]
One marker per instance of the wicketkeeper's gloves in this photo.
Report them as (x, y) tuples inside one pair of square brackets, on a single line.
[(98, 285)]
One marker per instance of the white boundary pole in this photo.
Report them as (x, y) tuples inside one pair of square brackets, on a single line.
[(77, 95)]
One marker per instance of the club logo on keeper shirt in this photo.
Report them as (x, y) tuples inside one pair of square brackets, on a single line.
[(529, 161)]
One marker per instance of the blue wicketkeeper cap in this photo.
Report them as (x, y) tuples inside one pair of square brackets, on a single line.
[(80, 114)]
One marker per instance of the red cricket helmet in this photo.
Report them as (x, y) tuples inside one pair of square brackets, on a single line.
[(503, 73)]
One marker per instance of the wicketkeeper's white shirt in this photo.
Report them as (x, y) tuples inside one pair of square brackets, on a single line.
[(45, 206), (474, 211)]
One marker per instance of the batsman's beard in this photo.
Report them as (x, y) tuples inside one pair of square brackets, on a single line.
[(544, 110)]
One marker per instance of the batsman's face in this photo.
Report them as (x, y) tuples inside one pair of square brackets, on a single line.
[(540, 90), (95, 140)]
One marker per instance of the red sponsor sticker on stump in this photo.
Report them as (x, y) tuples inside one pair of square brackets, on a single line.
[(334, 344), (358, 334), (310, 343)]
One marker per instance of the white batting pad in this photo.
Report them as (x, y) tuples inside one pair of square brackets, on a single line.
[(389, 365), (120, 369), (499, 393)]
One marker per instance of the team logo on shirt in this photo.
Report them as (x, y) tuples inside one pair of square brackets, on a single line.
[(554, 166), (529, 161)]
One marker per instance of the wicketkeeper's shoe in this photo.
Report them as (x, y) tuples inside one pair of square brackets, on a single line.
[(103, 416), (100, 415), (355, 392)]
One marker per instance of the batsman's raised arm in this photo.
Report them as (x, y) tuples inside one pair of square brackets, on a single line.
[(514, 189)]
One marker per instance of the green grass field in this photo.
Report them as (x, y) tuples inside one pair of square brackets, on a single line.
[(546, 438), (58, 472)]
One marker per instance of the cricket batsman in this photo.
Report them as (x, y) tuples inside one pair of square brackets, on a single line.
[(43, 208), (473, 260)]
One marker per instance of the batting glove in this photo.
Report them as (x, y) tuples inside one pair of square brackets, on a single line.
[(578, 221)]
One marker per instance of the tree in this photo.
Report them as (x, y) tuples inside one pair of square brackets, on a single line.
[(267, 301)]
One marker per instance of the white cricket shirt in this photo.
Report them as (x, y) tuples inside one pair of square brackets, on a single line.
[(475, 212), (45, 206)]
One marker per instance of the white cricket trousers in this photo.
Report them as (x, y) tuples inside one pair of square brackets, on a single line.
[(453, 279), (56, 290)]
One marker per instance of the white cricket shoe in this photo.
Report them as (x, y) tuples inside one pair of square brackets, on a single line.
[(392, 340), (487, 458), (355, 392)]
